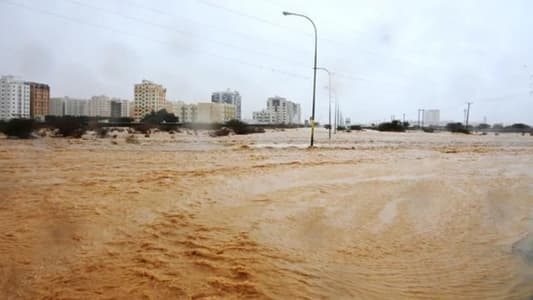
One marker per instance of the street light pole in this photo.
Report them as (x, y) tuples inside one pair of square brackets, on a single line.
[(285, 13), (329, 87)]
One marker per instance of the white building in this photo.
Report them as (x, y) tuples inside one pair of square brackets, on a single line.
[(57, 107), (75, 107), (148, 97), (431, 117), (279, 111), (229, 97), (99, 106), (14, 98)]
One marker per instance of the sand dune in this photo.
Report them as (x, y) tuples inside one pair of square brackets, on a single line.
[(367, 216)]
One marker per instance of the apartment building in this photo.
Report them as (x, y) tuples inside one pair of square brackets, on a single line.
[(279, 111), (39, 100), (187, 113), (57, 107), (14, 98), (99, 106), (229, 97), (75, 107), (148, 97), (119, 108)]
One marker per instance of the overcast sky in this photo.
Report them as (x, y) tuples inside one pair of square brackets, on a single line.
[(389, 57)]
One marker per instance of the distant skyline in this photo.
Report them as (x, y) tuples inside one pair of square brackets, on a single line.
[(390, 57)]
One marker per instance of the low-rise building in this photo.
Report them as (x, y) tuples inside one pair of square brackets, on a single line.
[(216, 112)]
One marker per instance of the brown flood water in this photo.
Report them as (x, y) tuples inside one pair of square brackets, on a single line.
[(369, 216)]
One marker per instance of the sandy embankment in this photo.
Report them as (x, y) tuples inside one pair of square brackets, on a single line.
[(369, 216)]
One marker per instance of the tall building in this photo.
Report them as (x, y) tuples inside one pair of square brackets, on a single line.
[(99, 106), (279, 111), (14, 98), (75, 107), (39, 100), (216, 112), (431, 117), (148, 97), (229, 97), (57, 107)]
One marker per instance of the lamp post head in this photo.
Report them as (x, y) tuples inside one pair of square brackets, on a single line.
[(286, 13)]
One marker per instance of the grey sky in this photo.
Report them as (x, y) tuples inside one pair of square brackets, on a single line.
[(391, 57)]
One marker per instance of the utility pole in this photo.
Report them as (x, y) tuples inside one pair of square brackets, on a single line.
[(404, 118), (336, 114), (468, 113)]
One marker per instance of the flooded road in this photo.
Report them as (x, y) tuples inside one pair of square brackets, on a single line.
[(367, 216)]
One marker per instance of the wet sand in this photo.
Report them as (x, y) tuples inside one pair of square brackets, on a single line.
[(369, 216)]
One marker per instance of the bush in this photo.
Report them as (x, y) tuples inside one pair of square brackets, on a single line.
[(457, 128), (356, 127), (69, 126), (239, 127), (395, 126), (428, 129), (21, 128)]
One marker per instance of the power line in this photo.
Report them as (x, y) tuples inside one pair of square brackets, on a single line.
[(114, 30), (179, 31), (237, 33)]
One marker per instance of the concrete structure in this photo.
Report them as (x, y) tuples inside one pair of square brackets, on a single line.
[(148, 97), (39, 100), (99, 106), (229, 97), (14, 98), (431, 117), (57, 107), (216, 112), (75, 107), (279, 111), (187, 113)]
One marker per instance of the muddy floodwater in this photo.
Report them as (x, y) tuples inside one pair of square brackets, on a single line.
[(368, 216)]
